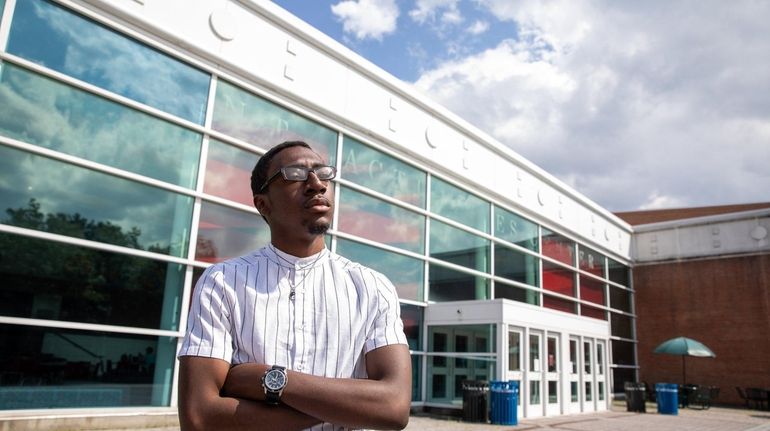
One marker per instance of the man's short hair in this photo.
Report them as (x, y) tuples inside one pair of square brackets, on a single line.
[(260, 174)]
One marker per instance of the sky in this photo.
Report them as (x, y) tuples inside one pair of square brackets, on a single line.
[(635, 104)]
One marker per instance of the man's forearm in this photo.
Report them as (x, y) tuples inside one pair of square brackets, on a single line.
[(203, 407), (226, 413), (380, 402)]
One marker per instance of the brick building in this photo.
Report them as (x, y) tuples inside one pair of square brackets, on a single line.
[(704, 273)]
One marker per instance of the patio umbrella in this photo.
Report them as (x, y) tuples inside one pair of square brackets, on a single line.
[(684, 347)]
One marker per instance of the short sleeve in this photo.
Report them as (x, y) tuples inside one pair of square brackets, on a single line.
[(387, 326), (209, 331)]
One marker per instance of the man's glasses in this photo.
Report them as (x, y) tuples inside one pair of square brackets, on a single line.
[(300, 173)]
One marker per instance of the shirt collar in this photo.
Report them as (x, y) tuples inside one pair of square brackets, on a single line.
[(286, 259)]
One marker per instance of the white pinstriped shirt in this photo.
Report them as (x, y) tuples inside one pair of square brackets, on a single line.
[(242, 311)]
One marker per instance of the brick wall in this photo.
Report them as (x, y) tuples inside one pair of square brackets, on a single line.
[(724, 303)]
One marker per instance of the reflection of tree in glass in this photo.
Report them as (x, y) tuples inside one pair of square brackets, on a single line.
[(75, 225), (44, 279)]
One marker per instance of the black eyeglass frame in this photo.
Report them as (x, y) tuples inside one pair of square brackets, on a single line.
[(300, 169)]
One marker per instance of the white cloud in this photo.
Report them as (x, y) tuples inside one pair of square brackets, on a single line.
[(657, 201), (445, 11), (478, 27), (634, 104), (367, 19)]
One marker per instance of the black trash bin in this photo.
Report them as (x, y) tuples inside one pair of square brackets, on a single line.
[(635, 397), (475, 401)]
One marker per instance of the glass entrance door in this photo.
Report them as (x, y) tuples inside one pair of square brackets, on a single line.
[(515, 360), (552, 372), (458, 353), (601, 375), (588, 375), (535, 374), (574, 375)]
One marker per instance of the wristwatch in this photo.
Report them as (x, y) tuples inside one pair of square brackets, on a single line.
[(273, 382)]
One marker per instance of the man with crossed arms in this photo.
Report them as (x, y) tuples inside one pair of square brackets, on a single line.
[(292, 336)]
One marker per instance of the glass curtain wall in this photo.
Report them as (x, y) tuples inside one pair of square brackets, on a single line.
[(104, 215)]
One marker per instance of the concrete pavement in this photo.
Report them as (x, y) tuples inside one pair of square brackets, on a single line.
[(716, 419)]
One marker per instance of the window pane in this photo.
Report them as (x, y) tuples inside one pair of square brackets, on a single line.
[(49, 114), (228, 172), (573, 357), (591, 290), (622, 352), (224, 233), (458, 246), (553, 392), (66, 42), (46, 368), (600, 359), (39, 193), (534, 392), (619, 273), (411, 315), (458, 205), (416, 377), (591, 261), (378, 171), (558, 247), (593, 312), (558, 279), (516, 293), (49, 280), (516, 266), (622, 326), (534, 353), (265, 124), (560, 304), (406, 273), (377, 220), (514, 351), (516, 229), (620, 299), (620, 376), (450, 285), (553, 355)]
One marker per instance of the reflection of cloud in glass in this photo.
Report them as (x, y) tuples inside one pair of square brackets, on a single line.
[(459, 205), (53, 115), (516, 229), (228, 172), (224, 233), (379, 221), (385, 174), (265, 124), (404, 272), (459, 247), (163, 218), (59, 39)]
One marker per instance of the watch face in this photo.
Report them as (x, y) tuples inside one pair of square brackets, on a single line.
[(275, 380)]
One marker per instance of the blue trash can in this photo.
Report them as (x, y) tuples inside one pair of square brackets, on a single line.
[(504, 398), (668, 398)]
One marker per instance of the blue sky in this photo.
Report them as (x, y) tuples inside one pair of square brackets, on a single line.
[(637, 105), (423, 37)]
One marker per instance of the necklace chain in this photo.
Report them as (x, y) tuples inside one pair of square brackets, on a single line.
[(306, 269)]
